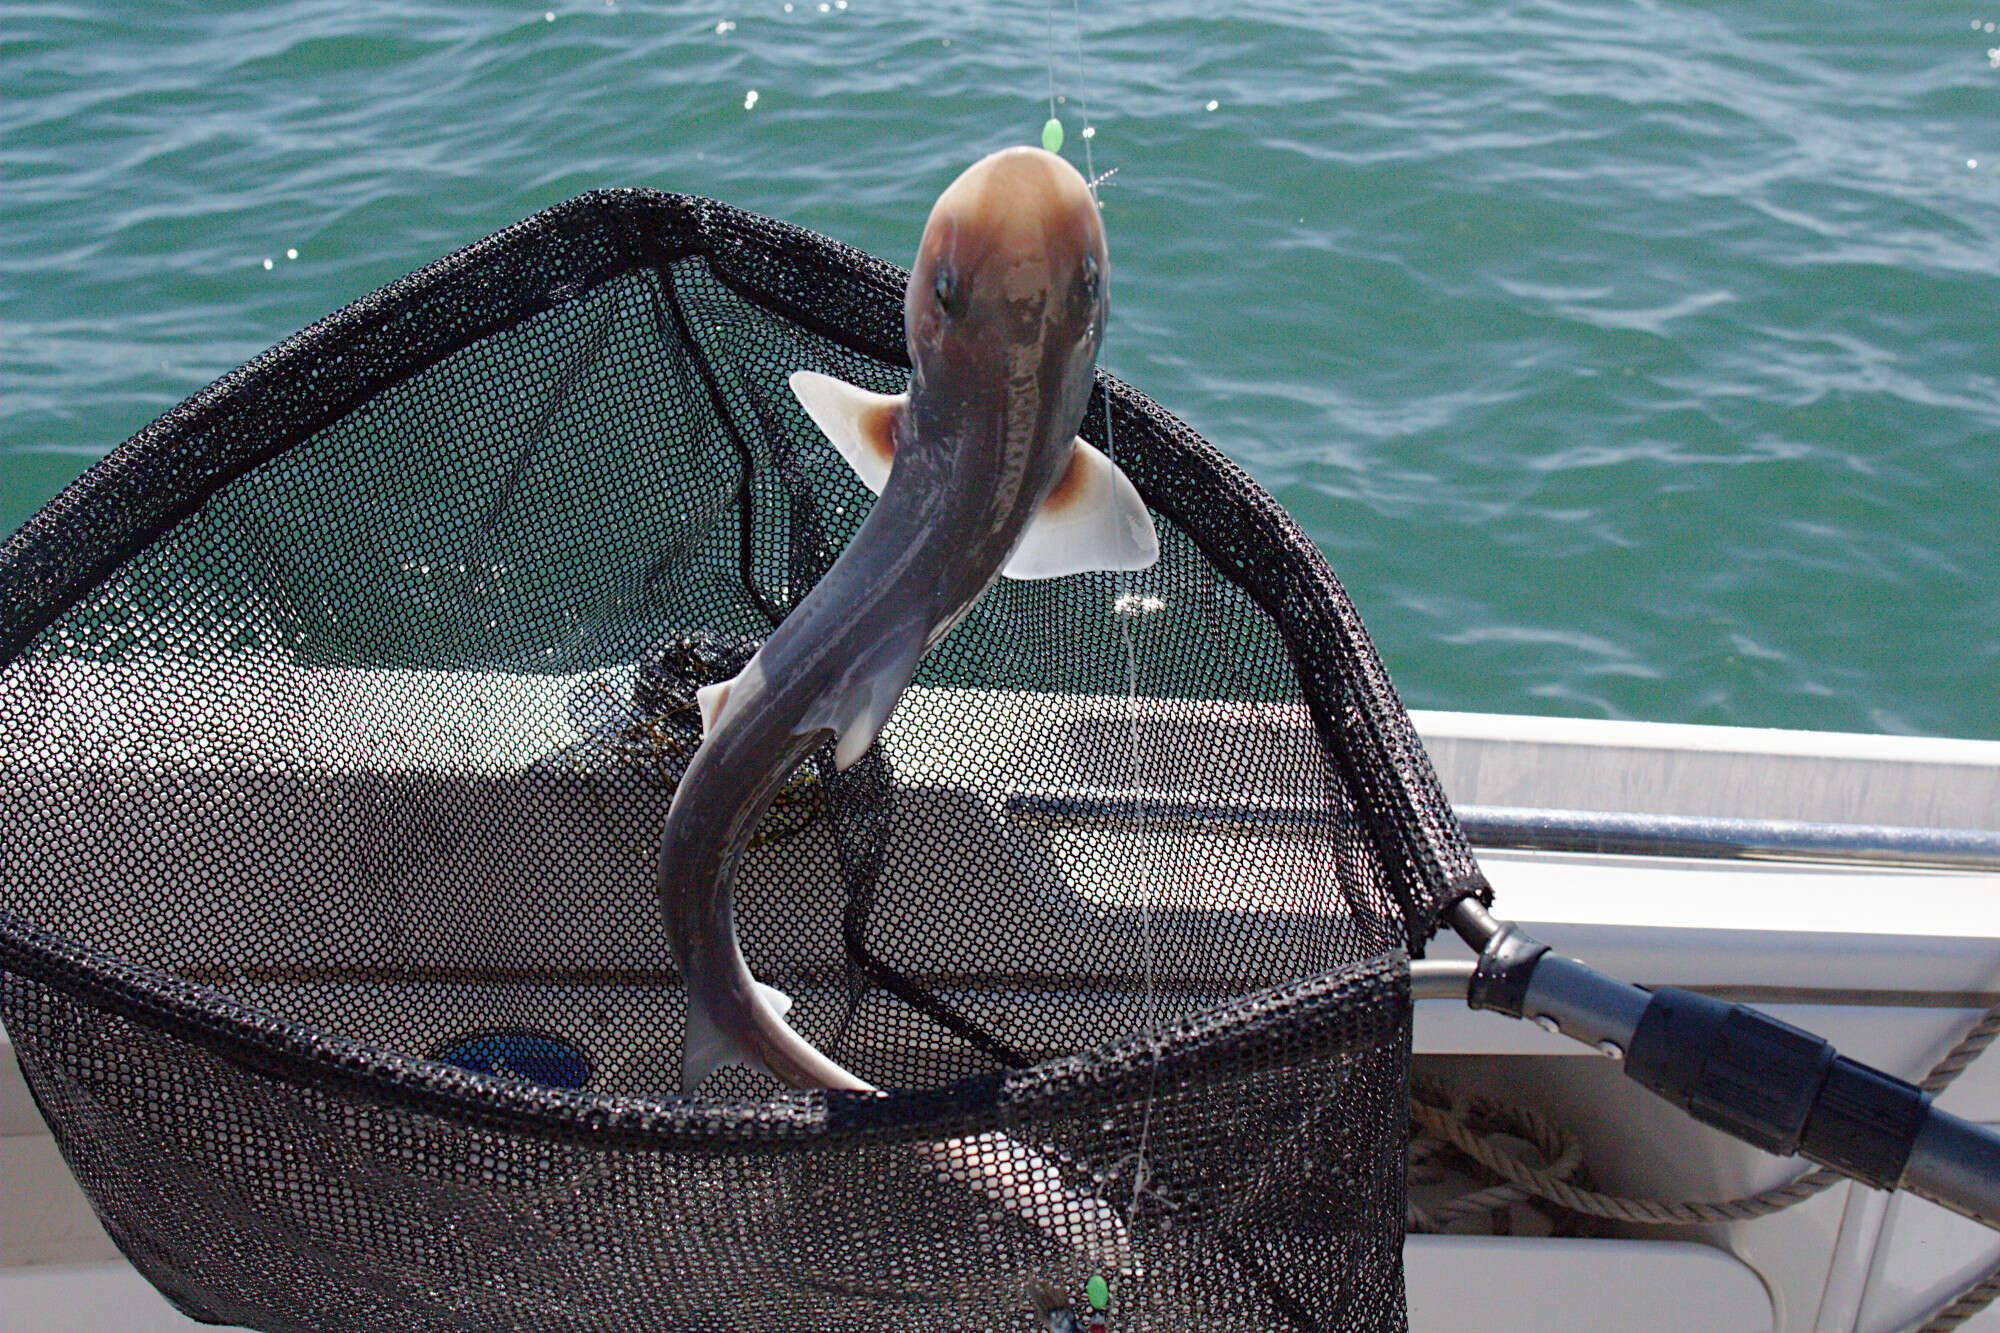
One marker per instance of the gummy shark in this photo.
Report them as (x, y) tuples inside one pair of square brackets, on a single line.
[(979, 473)]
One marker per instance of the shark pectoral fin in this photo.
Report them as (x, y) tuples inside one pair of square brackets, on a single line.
[(861, 424), (1093, 519), (712, 698)]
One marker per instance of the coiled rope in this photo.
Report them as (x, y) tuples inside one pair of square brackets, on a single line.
[(1484, 1129)]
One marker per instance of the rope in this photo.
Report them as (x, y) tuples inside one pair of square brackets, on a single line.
[(1454, 1122), (1561, 1156), (1968, 1049), (1447, 1124), (1986, 1288), (1965, 1305)]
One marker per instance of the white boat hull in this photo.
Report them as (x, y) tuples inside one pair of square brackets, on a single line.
[(1892, 963)]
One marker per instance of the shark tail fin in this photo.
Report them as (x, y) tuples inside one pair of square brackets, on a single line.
[(1092, 519), (708, 1047), (861, 424)]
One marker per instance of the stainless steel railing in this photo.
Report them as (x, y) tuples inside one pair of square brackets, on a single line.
[(1513, 827)]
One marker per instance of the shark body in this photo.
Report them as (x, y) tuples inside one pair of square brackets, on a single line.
[(979, 472)]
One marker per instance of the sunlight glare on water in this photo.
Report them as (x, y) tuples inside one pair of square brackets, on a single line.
[(1625, 361)]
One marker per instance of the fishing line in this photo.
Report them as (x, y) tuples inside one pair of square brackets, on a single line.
[(1049, 17), (1089, 133), (1129, 604)]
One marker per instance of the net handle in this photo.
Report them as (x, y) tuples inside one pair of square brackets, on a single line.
[(1733, 1068)]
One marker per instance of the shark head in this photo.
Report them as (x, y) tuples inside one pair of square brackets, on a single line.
[(1004, 312), (1012, 260)]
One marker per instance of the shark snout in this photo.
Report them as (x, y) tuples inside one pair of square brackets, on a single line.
[(1018, 222), (1020, 182)]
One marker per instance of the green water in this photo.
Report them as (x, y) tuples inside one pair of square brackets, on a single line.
[(1626, 360)]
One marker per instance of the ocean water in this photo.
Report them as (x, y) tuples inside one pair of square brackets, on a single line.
[(1625, 359)]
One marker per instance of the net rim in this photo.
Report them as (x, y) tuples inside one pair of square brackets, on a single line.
[(1362, 1004)]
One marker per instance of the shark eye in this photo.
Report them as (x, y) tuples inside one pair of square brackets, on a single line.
[(943, 288), (1091, 279)]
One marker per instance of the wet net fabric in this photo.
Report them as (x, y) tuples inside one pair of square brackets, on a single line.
[(339, 715)]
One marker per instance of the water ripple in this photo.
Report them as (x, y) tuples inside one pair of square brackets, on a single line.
[(1626, 360)]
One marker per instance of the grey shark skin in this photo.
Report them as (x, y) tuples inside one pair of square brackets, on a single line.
[(1004, 312), (978, 472)]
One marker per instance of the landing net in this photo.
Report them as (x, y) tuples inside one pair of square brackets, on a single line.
[(339, 713)]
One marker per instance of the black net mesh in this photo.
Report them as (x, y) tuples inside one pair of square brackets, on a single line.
[(339, 715)]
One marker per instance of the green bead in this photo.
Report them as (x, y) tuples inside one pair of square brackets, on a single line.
[(1052, 141), (1097, 1291)]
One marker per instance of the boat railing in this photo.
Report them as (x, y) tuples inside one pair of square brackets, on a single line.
[(1507, 828)]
